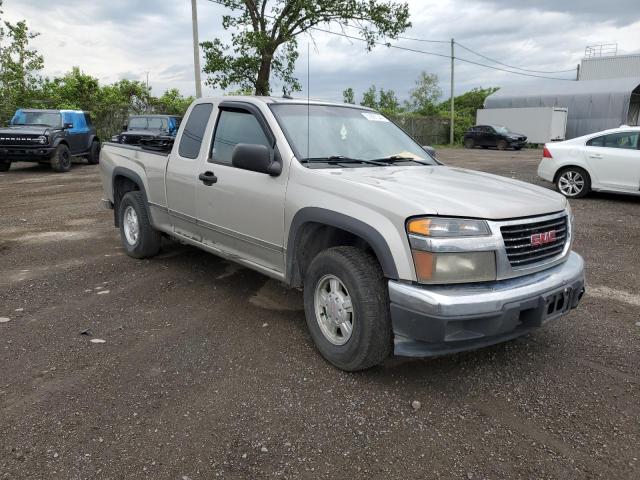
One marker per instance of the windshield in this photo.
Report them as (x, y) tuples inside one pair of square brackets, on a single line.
[(50, 119), (344, 132), (148, 123), (501, 129)]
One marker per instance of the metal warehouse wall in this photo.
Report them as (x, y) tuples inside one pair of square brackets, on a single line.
[(619, 66)]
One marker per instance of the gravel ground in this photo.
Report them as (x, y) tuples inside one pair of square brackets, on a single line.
[(207, 369)]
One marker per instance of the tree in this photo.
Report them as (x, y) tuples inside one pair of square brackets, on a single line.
[(19, 67), (348, 96), (388, 102), (424, 97), (74, 90), (265, 43), (172, 102), (370, 98), (466, 106)]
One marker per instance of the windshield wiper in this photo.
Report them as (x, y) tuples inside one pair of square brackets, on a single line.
[(339, 159), (400, 158)]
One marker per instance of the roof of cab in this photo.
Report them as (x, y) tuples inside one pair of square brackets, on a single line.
[(279, 100)]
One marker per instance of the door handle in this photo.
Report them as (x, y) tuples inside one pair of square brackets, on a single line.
[(208, 178), (593, 155)]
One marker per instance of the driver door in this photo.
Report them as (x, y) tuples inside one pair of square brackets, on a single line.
[(242, 212)]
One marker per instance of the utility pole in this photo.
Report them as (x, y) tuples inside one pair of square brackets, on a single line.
[(452, 86), (196, 48)]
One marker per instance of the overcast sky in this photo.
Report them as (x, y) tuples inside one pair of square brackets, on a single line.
[(114, 39)]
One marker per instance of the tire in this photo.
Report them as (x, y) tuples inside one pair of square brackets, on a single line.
[(5, 165), (61, 160), (360, 281), (502, 145), (469, 143), (573, 182), (517, 148), (94, 153), (139, 238)]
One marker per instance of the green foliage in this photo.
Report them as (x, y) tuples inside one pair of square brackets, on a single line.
[(384, 100), (349, 96), (264, 40), (19, 67), (423, 99), (465, 107)]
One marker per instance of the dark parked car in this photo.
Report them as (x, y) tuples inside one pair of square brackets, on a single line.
[(48, 136), (148, 129), (486, 136)]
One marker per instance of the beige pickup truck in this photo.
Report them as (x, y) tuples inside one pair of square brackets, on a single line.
[(395, 251)]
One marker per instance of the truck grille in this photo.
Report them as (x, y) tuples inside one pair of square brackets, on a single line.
[(534, 242), (16, 140)]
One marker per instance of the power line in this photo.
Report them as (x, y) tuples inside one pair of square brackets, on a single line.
[(424, 52), (511, 66)]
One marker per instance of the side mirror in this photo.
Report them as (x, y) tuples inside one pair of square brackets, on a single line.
[(67, 126), (430, 150), (256, 158), (124, 127)]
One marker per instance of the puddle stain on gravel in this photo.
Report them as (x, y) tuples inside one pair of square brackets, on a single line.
[(273, 295), (614, 294)]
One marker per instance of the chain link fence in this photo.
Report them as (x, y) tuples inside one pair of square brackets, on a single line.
[(425, 130)]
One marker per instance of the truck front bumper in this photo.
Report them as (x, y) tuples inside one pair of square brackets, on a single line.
[(27, 154), (435, 320)]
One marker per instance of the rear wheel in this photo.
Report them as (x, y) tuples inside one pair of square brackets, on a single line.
[(5, 165), (139, 238), (94, 153), (469, 143), (573, 182), (502, 145), (347, 308), (61, 160)]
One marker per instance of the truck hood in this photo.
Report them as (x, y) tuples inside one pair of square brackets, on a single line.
[(451, 191), (145, 133), (25, 130)]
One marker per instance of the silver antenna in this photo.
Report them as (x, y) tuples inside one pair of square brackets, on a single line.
[(308, 97)]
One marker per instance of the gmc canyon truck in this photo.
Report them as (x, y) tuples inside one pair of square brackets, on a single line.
[(395, 252), (49, 136)]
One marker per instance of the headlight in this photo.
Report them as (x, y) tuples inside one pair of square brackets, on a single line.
[(43, 140), (454, 266), (448, 227)]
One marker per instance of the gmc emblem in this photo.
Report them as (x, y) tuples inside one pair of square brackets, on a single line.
[(538, 239)]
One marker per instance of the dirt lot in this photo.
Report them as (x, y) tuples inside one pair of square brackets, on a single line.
[(208, 370)]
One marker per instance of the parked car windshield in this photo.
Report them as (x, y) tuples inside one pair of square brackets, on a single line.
[(50, 119), (501, 129), (317, 132)]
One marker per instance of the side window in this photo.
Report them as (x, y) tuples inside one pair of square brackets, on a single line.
[(234, 127), (596, 142), (627, 140), (193, 132)]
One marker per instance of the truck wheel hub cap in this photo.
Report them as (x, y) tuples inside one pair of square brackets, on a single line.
[(334, 310), (131, 226)]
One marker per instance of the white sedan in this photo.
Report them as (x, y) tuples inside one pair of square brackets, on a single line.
[(604, 161)]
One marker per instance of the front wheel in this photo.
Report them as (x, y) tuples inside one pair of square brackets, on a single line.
[(139, 238), (5, 165), (94, 153), (61, 160), (573, 182), (347, 308)]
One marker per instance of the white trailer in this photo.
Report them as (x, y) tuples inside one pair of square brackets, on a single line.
[(539, 124)]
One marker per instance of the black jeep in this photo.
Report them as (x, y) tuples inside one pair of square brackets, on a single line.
[(149, 130), (48, 136)]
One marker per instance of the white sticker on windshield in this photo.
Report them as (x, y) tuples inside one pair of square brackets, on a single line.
[(374, 117)]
